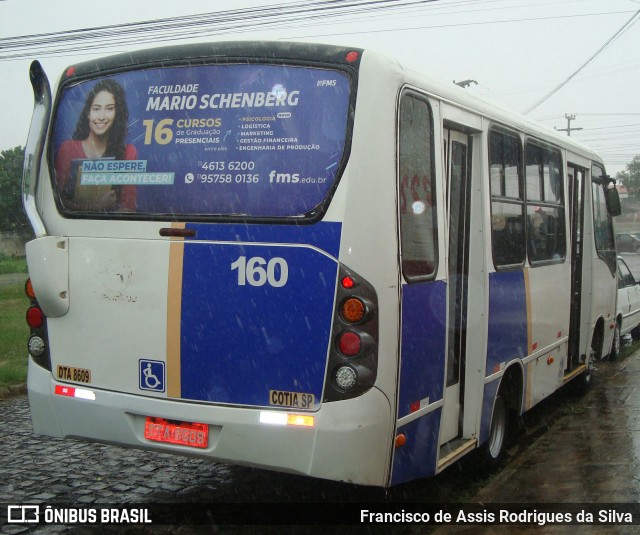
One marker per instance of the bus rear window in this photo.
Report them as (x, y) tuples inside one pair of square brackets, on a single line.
[(232, 140)]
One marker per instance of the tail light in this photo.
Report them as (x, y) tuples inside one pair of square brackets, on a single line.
[(38, 345), (349, 343), (28, 289), (35, 317), (353, 358)]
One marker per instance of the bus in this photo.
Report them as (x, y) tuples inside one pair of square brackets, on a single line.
[(305, 258)]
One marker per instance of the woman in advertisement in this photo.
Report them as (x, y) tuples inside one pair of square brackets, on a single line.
[(100, 133)]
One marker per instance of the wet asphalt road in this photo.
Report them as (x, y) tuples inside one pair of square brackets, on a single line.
[(573, 449)]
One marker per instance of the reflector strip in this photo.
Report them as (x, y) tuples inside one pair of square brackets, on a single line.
[(300, 420), (282, 418), (72, 392), (417, 405)]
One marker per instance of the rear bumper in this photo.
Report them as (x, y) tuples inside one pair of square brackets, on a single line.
[(351, 439)]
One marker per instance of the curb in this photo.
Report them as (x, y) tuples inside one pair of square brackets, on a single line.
[(13, 391)]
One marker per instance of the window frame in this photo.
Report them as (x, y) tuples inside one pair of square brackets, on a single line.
[(521, 201), (409, 276), (524, 142), (544, 202)]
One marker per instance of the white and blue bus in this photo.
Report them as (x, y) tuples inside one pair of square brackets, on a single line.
[(306, 258)]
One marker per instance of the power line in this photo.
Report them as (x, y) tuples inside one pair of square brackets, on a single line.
[(459, 24), (185, 27), (612, 114), (624, 28), (238, 20), (635, 125)]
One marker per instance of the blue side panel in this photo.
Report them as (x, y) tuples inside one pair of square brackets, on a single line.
[(424, 308), (507, 319), (490, 392), (418, 457), (239, 341)]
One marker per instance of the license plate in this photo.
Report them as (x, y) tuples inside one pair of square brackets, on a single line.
[(193, 435), (69, 373)]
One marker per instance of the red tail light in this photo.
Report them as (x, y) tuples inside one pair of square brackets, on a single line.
[(353, 359), (348, 282), (352, 56), (38, 340), (35, 317), (350, 344)]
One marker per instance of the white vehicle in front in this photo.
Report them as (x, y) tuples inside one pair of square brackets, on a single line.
[(628, 308)]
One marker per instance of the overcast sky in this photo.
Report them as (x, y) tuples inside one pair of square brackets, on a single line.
[(517, 50)]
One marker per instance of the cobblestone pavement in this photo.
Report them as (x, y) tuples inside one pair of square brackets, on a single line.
[(44, 470), (575, 450)]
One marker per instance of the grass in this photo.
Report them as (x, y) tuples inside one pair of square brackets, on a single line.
[(629, 350), (12, 264), (14, 334)]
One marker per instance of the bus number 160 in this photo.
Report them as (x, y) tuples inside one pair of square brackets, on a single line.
[(253, 271)]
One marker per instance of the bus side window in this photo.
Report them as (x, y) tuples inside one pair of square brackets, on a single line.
[(603, 223), (507, 204), (545, 205), (418, 223)]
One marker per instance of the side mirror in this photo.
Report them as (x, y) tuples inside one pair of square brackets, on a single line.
[(614, 202)]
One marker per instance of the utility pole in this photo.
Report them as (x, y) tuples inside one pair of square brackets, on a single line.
[(568, 129)]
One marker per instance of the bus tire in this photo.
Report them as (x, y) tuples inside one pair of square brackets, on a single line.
[(495, 445), (616, 343)]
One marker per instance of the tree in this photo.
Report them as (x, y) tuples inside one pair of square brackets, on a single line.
[(12, 216), (630, 177)]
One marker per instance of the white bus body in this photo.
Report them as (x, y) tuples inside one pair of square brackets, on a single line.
[(227, 334)]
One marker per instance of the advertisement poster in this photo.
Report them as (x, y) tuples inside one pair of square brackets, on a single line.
[(225, 140)]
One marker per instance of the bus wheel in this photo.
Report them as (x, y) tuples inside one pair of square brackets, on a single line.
[(616, 344), (498, 433)]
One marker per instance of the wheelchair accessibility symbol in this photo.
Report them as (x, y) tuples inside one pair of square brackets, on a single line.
[(151, 375)]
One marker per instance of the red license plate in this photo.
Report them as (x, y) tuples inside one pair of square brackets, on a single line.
[(189, 434)]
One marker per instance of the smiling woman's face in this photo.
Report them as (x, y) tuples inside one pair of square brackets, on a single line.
[(102, 113)]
